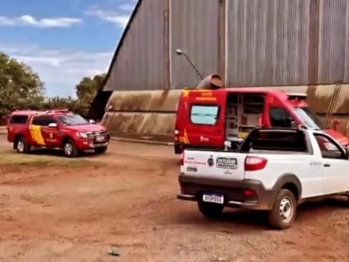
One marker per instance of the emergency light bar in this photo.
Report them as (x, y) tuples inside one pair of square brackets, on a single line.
[(53, 111), (297, 96)]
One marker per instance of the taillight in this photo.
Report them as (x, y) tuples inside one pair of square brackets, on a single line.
[(182, 158), (254, 163), (176, 132), (249, 192)]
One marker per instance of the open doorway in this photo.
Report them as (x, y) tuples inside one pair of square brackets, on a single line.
[(243, 114)]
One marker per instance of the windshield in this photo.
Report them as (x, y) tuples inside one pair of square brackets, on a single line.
[(308, 117), (73, 120)]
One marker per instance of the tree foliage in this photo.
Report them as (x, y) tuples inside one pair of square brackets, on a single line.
[(21, 88), (86, 91), (87, 88)]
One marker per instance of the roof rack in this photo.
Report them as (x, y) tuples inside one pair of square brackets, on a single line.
[(297, 96), (55, 111)]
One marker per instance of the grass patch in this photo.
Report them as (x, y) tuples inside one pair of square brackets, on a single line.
[(43, 160)]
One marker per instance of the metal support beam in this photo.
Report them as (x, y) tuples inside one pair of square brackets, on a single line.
[(313, 51), (222, 39), (167, 43)]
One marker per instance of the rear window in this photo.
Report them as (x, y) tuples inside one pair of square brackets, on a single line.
[(272, 140), (18, 119), (204, 114)]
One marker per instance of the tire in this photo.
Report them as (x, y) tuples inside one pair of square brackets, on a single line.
[(178, 149), (70, 149), (101, 150), (210, 210), (22, 147), (284, 210)]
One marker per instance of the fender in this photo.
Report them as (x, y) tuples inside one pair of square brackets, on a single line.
[(288, 178), (64, 138)]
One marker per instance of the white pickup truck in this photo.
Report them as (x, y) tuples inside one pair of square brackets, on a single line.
[(274, 170)]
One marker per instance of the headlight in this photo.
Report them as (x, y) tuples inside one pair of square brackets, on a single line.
[(82, 135)]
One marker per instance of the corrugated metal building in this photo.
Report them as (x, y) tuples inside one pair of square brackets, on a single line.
[(247, 42)]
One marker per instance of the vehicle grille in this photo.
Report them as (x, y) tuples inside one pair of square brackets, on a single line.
[(94, 134), (101, 133)]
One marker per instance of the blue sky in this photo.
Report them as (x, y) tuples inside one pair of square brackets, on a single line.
[(64, 40)]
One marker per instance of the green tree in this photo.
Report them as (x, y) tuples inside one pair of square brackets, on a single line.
[(20, 87), (87, 89)]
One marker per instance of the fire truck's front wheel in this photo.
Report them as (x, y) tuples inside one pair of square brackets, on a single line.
[(70, 149)]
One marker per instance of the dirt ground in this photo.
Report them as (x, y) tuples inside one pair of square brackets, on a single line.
[(56, 210)]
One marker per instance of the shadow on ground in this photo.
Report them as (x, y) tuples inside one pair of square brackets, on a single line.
[(58, 153), (239, 220)]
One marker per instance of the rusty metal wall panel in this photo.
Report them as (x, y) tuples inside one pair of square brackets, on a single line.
[(135, 124), (333, 41), (141, 63), (194, 29), (268, 42), (144, 101)]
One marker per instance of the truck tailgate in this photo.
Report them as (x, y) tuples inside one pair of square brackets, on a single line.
[(218, 166)]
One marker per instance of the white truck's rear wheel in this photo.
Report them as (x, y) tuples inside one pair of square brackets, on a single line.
[(210, 210), (284, 210)]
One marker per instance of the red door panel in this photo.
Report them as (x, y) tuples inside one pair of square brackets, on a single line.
[(206, 121), (50, 136)]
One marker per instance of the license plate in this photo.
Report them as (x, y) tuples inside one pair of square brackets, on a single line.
[(218, 199), (227, 163), (100, 145), (100, 138)]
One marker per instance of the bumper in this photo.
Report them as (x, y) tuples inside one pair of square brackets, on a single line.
[(236, 193), (90, 144)]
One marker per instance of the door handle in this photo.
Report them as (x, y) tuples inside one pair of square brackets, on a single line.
[(327, 165)]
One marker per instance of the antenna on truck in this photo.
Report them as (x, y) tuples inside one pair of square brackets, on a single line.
[(179, 52)]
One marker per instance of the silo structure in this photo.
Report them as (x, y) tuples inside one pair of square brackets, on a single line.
[(283, 44)]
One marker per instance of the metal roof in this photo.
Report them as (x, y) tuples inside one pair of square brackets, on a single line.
[(118, 48)]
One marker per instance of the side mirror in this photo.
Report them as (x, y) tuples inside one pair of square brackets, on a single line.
[(294, 124), (53, 125), (91, 121), (347, 152)]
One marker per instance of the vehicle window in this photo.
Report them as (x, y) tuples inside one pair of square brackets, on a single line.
[(279, 117), (328, 148), (18, 119), (204, 114), (43, 120), (73, 120), (308, 117), (271, 140)]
